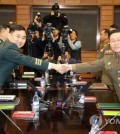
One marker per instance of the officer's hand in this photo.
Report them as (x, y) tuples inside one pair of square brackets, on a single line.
[(59, 68), (45, 55), (52, 13), (67, 67)]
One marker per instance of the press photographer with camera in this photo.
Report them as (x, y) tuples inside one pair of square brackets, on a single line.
[(37, 23), (55, 17), (69, 40), (74, 45), (33, 46), (51, 37), (66, 59)]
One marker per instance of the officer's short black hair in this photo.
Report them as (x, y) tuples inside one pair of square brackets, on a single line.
[(3, 27), (115, 26), (16, 27), (115, 31), (107, 31), (73, 30)]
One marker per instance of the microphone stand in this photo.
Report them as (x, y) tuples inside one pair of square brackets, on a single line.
[(11, 121)]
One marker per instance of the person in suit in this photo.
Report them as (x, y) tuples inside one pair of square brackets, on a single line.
[(110, 62)]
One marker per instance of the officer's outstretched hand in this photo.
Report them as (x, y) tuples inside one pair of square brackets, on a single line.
[(61, 68)]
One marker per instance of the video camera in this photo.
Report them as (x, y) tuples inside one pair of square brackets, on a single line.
[(63, 56), (55, 8), (65, 31), (48, 29), (29, 35), (39, 17)]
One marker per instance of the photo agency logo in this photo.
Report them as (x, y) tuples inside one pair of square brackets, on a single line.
[(97, 119)]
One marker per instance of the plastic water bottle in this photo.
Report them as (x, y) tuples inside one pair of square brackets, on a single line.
[(95, 127), (71, 73), (82, 98), (35, 106), (74, 80), (35, 109), (47, 78), (42, 81), (46, 74)]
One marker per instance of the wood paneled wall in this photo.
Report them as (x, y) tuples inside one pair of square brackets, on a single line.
[(106, 13)]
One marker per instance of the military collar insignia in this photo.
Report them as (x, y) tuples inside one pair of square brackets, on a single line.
[(109, 52), (1, 41), (109, 63)]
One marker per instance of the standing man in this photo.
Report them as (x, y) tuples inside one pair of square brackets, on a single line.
[(104, 45), (4, 30), (10, 57), (75, 45)]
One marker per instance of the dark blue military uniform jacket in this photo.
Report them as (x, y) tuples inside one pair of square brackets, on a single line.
[(10, 57)]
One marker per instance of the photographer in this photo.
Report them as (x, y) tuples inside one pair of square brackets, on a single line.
[(75, 45), (66, 59), (37, 24), (55, 17), (33, 46), (50, 39)]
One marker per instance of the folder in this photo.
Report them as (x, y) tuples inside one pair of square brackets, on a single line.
[(108, 105), (7, 106), (15, 102), (108, 132), (111, 113), (90, 99), (23, 115), (4, 98)]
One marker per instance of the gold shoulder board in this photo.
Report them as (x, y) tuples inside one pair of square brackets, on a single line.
[(109, 52)]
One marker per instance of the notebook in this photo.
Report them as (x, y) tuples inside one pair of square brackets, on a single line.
[(97, 86)]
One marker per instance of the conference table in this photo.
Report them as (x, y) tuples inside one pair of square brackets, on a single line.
[(56, 119)]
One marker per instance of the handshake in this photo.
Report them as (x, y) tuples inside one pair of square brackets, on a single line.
[(61, 68)]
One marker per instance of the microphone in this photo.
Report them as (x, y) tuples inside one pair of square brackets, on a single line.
[(85, 87)]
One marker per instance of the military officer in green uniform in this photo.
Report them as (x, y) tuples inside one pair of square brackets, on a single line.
[(104, 45), (110, 62), (10, 57)]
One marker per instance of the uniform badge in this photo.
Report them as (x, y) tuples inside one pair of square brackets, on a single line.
[(0, 41), (109, 63)]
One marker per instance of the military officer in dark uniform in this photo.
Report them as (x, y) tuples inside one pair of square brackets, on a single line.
[(10, 57), (110, 62)]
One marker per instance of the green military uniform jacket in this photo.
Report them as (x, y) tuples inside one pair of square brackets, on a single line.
[(105, 76), (10, 57), (110, 62)]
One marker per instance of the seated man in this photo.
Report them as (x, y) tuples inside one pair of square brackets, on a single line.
[(66, 58)]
